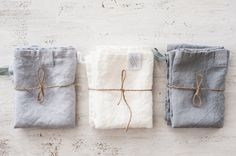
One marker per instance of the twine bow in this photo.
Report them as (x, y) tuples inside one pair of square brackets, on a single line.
[(196, 100), (41, 81), (122, 95), (41, 76)]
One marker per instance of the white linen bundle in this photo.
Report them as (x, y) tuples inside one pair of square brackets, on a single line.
[(120, 87)]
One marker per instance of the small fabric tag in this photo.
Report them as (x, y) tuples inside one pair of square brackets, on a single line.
[(47, 57), (134, 61), (220, 58)]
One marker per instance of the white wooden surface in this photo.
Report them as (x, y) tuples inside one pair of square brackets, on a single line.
[(87, 23)]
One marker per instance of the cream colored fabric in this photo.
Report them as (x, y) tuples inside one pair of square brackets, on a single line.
[(104, 68)]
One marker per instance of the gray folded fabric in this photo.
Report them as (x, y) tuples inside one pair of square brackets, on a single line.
[(189, 66), (4, 71), (44, 83)]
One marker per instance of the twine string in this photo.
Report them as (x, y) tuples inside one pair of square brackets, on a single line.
[(41, 81), (122, 96), (196, 100), (122, 90), (41, 76)]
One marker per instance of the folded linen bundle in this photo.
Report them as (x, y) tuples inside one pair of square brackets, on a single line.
[(120, 87), (196, 82), (44, 83)]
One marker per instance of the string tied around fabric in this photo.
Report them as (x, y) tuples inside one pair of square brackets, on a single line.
[(196, 99), (122, 96), (41, 76), (122, 90), (41, 81)]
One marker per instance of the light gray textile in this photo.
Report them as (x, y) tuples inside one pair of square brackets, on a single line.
[(4, 71), (184, 62), (58, 107)]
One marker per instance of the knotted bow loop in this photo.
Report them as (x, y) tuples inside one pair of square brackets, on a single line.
[(122, 95), (123, 77), (197, 101), (41, 83), (41, 76)]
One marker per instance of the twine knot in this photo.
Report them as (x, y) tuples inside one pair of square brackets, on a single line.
[(122, 96), (41, 76), (197, 101), (41, 83), (122, 90)]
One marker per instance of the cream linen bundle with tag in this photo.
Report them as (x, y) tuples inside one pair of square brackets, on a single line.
[(120, 87)]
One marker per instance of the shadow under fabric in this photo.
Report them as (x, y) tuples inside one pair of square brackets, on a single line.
[(119, 97), (196, 83), (44, 80)]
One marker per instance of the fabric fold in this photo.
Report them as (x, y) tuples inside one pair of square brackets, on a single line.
[(196, 83), (44, 87), (117, 93)]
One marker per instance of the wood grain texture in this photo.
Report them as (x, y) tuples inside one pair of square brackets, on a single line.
[(87, 23)]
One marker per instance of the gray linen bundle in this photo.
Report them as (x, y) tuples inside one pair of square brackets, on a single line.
[(44, 83), (196, 82)]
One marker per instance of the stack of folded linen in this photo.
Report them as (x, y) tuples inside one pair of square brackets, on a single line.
[(196, 82), (44, 82), (120, 87)]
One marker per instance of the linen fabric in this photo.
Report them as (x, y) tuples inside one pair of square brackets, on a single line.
[(184, 63), (104, 70), (57, 110)]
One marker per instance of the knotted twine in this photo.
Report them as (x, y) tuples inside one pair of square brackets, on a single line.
[(122, 91), (41, 76), (196, 100)]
